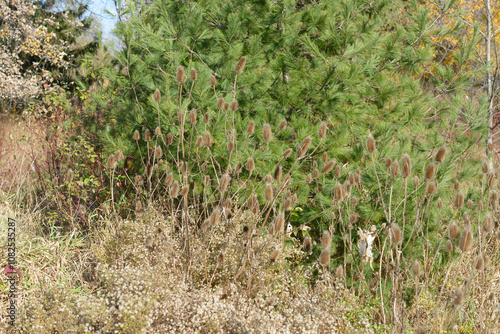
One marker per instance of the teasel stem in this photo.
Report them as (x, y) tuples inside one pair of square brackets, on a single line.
[(379, 188)]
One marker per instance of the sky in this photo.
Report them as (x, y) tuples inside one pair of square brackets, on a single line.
[(98, 8)]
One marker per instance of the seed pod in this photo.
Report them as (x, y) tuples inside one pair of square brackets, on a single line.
[(307, 244), (449, 246), (220, 103), (487, 224), (485, 166), (157, 152), (416, 268), (181, 75), (324, 157), (304, 146), (353, 217), (192, 116), (322, 130), (338, 170), (458, 298), (388, 162), (294, 198), (327, 168), (453, 231), (441, 154), (405, 166), (357, 178), (111, 163), (337, 192), (224, 182), (395, 233), (241, 65), (439, 203), (184, 191), (351, 178), (174, 189), (431, 170), (268, 192), (490, 179), (157, 95), (278, 172), (416, 181), (480, 265), (271, 229), (199, 141), (390, 266), (250, 165), (287, 153), (283, 125), (207, 139), (309, 178), (431, 188), (274, 255), (137, 135), (234, 105), (339, 272), (193, 74), (315, 173), (138, 209), (326, 239), (170, 138), (324, 257), (370, 144), (212, 80), (459, 200), (493, 195), (266, 132), (395, 169), (215, 217), (147, 135), (181, 116), (69, 176), (280, 222), (470, 203), (466, 240)]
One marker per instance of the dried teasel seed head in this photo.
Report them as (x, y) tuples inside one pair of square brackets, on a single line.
[(228, 204), (316, 173), (307, 244), (458, 298), (453, 231), (240, 65), (199, 141), (327, 168), (440, 203), (430, 171), (184, 191), (395, 168), (466, 240), (485, 166), (207, 139), (324, 157), (480, 265), (111, 163), (487, 224), (212, 80), (322, 130), (354, 201), (339, 272), (470, 203), (280, 222), (206, 118), (304, 146), (158, 131), (193, 114), (395, 233), (149, 171), (337, 193), (193, 74), (139, 210), (250, 165), (147, 135), (352, 178), (119, 155), (419, 329), (274, 255), (459, 200), (370, 144), (181, 74), (324, 258), (69, 176), (294, 198), (333, 215), (158, 152), (357, 177), (449, 246), (441, 154), (456, 185), (353, 217), (224, 182), (388, 162), (283, 125), (234, 105), (220, 103), (269, 178), (416, 181), (416, 268), (269, 192), (226, 106), (271, 229), (490, 179), (251, 127), (266, 132), (170, 138), (137, 135), (157, 95), (230, 146), (309, 178), (169, 179), (174, 189), (493, 195), (278, 172), (405, 166), (326, 239), (431, 188), (338, 170), (207, 180), (390, 266), (287, 204), (181, 116), (287, 153), (373, 283)]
